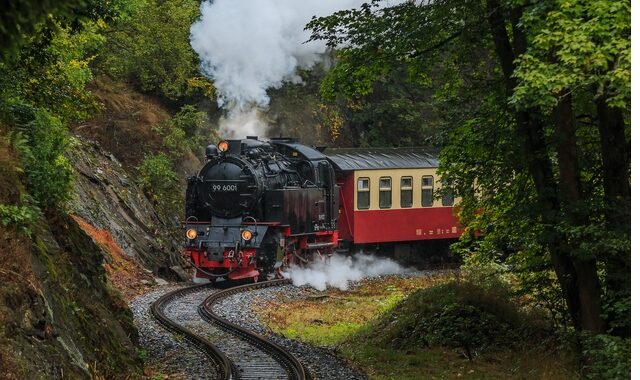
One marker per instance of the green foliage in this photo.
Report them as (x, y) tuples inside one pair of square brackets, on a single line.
[(52, 71), (157, 178), (21, 19), (484, 117), (189, 120), (395, 113), (576, 44), (193, 127), (463, 326), (40, 146), (21, 217), (608, 357), (393, 92), (456, 314), (49, 173), (150, 45), (186, 131)]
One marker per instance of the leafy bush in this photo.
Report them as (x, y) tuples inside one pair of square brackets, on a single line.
[(456, 314), (188, 119), (608, 357), (465, 326), (157, 177), (184, 132), (21, 217), (40, 144), (49, 173)]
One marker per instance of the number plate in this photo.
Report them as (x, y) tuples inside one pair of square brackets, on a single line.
[(224, 187)]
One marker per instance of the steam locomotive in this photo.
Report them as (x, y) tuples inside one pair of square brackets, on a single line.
[(255, 203)]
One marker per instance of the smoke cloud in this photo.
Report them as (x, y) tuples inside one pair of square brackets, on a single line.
[(249, 46), (338, 270)]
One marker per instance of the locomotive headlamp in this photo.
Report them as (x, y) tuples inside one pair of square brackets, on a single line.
[(223, 145), (246, 235), (192, 233)]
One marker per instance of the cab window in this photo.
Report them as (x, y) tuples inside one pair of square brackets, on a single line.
[(406, 192), (363, 193), (427, 191), (385, 192)]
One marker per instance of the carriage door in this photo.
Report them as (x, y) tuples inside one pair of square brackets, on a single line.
[(327, 182)]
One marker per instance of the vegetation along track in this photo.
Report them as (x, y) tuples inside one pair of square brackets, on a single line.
[(223, 367), (294, 369), (254, 357)]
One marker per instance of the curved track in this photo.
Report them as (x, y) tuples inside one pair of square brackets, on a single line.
[(293, 368), (224, 369)]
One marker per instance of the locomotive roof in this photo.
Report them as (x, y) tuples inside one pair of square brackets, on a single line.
[(385, 158)]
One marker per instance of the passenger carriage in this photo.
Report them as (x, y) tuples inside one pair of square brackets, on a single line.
[(387, 196)]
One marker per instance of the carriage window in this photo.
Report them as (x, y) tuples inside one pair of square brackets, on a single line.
[(427, 191), (363, 193), (406, 192), (385, 192)]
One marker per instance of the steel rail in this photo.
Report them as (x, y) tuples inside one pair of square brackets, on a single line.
[(295, 370), (225, 370)]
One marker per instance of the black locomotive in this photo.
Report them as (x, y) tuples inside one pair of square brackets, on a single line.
[(255, 203)]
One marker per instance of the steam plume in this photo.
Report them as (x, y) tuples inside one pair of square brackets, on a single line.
[(338, 270), (249, 46)]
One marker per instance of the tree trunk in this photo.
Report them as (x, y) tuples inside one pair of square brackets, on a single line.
[(589, 290), (616, 158), (535, 150)]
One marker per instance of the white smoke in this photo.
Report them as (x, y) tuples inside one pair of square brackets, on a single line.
[(239, 124), (338, 270), (249, 46)]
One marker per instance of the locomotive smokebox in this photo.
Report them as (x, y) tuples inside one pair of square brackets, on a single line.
[(229, 187)]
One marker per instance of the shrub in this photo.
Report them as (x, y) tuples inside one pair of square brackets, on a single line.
[(608, 357), (41, 144), (157, 177), (456, 314), (464, 326), (21, 217), (49, 173), (188, 119)]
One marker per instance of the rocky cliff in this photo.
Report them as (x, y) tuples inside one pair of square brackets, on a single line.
[(107, 198)]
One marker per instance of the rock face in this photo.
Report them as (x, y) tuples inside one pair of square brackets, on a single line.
[(59, 318), (107, 197)]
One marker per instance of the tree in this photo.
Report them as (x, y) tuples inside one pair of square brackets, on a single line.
[(149, 45), (520, 149)]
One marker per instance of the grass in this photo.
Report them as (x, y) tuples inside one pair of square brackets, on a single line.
[(442, 363), (379, 327), (330, 317)]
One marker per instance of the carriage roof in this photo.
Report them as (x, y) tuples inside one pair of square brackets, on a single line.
[(387, 158)]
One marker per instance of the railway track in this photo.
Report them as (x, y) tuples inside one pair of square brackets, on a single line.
[(236, 352), (294, 369), (224, 369)]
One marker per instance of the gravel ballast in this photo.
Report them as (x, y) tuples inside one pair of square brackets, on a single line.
[(177, 358), (322, 364), (166, 352)]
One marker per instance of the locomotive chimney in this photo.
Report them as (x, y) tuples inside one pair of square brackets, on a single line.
[(211, 152)]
